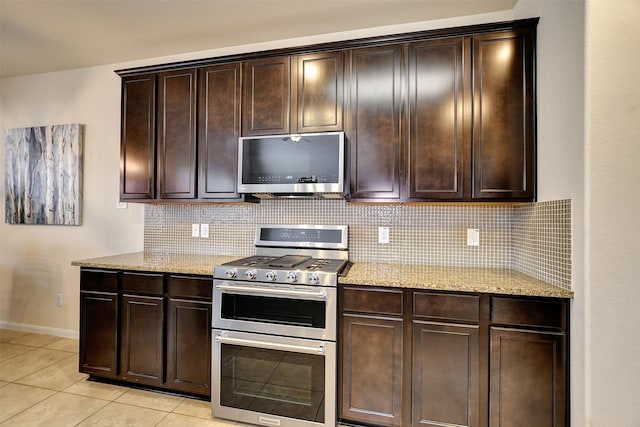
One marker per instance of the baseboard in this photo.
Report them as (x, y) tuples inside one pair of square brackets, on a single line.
[(65, 333)]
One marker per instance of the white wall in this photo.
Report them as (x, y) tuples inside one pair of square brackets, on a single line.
[(612, 231), (35, 260)]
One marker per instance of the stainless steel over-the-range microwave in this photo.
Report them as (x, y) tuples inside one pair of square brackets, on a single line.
[(292, 165)]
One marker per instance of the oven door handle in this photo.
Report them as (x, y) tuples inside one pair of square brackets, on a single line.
[(273, 291), (271, 345)]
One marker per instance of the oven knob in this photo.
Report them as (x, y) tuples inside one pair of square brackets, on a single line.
[(314, 278), (292, 276), (231, 273), (250, 274), (271, 276)]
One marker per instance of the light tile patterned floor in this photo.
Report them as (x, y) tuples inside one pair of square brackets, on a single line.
[(40, 385)]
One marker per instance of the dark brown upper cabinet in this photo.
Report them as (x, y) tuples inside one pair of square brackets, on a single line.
[(267, 96), (442, 115), (158, 141), (292, 94), (437, 106), (219, 109), (462, 127), (138, 138), (504, 115), (177, 134), (319, 95), (373, 126)]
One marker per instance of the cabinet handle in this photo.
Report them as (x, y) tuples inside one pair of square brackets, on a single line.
[(272, 291), (271, 345)]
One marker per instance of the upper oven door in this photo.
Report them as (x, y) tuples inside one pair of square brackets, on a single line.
[(286, 310), (305, 163)]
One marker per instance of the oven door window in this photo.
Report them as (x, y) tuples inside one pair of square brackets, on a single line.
[(275, 382), (282, 311)]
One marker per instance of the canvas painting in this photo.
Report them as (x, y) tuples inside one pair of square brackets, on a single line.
[(43, 175)]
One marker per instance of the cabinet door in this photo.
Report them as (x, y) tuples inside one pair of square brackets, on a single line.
[(436, 123), (445, 374), (138, 137), (189, 346), (374, 123), (189, 334), (372, 370), (504, 116), (527, 378), (177, 134), (320, 88), (99, 333), (99, 322), (142, 339), (219, 126), (267, 96)]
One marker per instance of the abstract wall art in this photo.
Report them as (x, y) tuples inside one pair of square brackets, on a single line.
[(43, 174)]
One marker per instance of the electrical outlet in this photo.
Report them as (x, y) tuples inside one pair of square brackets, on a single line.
[(121, 205), (195, 230), (58, 300), (204, 231), (383, 235), (473, 237)]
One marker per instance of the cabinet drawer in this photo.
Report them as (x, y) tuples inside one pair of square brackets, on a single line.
[(190, 287), (143, 283), (374, 301), (99, 280), (446, 306), (525, 312)]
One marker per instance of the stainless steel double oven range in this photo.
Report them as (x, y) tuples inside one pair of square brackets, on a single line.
[(274, 328)]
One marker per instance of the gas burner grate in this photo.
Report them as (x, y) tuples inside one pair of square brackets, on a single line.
[(253, 261)]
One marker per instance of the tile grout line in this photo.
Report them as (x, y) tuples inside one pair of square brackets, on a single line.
[(107, 402)]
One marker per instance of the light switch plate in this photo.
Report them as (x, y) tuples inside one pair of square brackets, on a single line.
[(204, 231), (121, 205), (195, 230), (383, 235), (473, 237)]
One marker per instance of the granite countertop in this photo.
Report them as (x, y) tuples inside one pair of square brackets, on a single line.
[(166, 263), (460, 279)]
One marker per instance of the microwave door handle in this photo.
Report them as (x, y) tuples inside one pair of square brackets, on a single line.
[(271, 345), (273, 291)]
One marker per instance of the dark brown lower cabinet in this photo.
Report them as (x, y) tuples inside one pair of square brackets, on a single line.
[(151, 329), (445, 375), (142, 328), (372, 361), (142, 331), (99, 323), (527, 385), (189, 334), (461, 359)]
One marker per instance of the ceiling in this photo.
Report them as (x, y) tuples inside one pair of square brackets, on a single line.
[(39, 36)]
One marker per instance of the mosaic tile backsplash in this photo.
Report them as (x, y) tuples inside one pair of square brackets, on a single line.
[(534, 238)]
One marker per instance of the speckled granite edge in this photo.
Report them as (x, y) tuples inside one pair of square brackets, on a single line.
[(459, 279), (166, 263)]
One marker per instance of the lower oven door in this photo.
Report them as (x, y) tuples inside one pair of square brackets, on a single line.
[(273, 380)]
